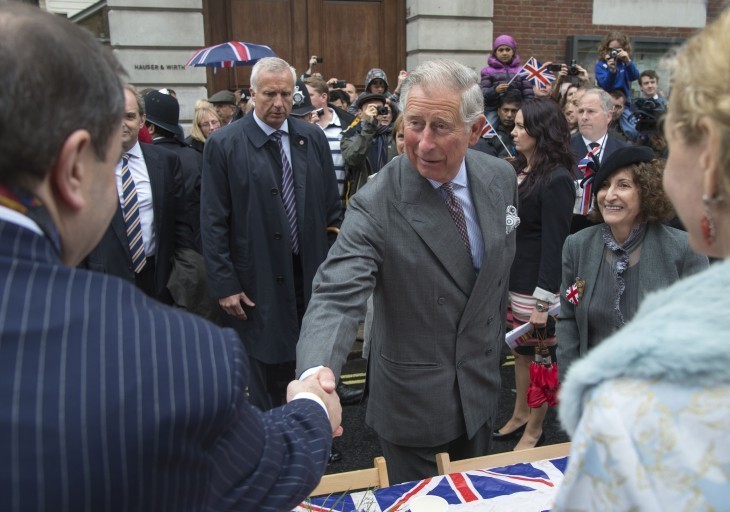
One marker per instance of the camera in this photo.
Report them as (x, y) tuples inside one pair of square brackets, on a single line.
[(340, 84), (319, 60), (613, 52), (555, 68), (646, 113), (573, 69), (383, 111)]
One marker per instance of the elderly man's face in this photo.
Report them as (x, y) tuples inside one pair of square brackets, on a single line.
[(436, 136), (592, 119), (273, 99), (225, 111)]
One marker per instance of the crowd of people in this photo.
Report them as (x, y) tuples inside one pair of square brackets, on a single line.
[(176, 311)]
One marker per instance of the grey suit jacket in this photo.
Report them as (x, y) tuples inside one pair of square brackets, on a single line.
[(438, 326), (666, 257)]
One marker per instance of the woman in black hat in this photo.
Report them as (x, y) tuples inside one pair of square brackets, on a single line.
[(609, 268)]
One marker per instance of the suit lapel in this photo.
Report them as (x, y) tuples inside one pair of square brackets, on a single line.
[(424, 210), (120, 230), (593, 257)]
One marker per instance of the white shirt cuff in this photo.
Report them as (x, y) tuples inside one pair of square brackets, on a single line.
[(310, 372)]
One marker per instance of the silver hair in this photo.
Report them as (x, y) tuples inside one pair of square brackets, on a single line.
[(271, 65), (603, 98), (450, 75)]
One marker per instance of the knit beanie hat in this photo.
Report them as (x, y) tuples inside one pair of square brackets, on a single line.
[(505, 40)]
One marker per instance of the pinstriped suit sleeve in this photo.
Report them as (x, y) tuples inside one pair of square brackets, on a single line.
[(284, 451)]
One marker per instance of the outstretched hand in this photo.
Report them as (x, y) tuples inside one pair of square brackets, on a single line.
[(322, 384)]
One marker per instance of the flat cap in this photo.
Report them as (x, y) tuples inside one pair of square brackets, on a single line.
[(223, 97)]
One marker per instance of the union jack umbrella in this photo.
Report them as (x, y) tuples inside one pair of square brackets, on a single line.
[(230, 54)]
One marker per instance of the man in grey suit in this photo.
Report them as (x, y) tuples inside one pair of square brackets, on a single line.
[(432, 237), (268, 195)]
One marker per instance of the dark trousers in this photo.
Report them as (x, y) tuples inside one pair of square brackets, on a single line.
[(406, 463), (268, 382)]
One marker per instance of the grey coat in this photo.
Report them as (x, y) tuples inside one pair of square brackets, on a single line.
[(245, 231), (666, 257), (438, 326)]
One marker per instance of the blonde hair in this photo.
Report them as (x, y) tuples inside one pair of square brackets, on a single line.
[(203, 103), (196, 132), (701, 88)]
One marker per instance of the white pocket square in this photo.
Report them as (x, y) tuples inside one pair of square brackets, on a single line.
[(512, 219)]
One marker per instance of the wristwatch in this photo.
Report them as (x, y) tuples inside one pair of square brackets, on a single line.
[(542, 307)]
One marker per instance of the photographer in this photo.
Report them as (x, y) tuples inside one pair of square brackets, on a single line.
[(616, 70), (365, 143), (569, 76)]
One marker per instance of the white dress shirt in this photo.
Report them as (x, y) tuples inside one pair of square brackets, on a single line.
[(141, 178)]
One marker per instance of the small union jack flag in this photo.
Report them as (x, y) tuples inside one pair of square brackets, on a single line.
[(488, 131), (572, 295), (537, 74)]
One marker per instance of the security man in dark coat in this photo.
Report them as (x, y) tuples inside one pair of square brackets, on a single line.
[(268, 195)]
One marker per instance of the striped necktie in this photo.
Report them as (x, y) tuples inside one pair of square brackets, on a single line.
[(588, 166), (287, 192), (457, 214), (130, 210)]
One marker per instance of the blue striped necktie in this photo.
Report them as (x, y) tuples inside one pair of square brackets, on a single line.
[(457, 214), (130, 210), (287, 192)]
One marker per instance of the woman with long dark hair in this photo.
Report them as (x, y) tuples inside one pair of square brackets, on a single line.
[(546, 189)]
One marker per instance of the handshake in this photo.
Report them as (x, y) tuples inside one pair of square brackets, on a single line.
[(322, 384)]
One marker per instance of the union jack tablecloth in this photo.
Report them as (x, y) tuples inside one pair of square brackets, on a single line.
[(525, 487)]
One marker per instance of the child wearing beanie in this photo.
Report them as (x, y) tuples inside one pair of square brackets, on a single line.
[(503, 65)]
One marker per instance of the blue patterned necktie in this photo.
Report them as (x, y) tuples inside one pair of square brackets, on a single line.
[(457, 214), (130, 210), (287, 193)]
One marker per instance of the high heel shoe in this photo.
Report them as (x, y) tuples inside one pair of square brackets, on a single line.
[(497, 435)]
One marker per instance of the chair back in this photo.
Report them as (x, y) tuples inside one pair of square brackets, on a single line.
[(446, 466), (377, 476)]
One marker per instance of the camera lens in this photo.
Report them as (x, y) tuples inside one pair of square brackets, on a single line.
[(383, 111)]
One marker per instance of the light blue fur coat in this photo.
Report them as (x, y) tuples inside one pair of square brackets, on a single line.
[(680, 334)]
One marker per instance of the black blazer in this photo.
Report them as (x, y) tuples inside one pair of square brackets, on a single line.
[(172, 227), (545, 216)]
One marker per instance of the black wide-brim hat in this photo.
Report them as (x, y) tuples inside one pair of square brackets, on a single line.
[(162, 110), (622, 157)]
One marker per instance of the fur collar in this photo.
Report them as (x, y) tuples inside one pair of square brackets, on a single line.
[(679, 334)]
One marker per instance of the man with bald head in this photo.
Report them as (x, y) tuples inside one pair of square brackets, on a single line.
[(432, 237)]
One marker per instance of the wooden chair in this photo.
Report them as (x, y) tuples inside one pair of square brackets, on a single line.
[(376, 476), (446, 465)]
